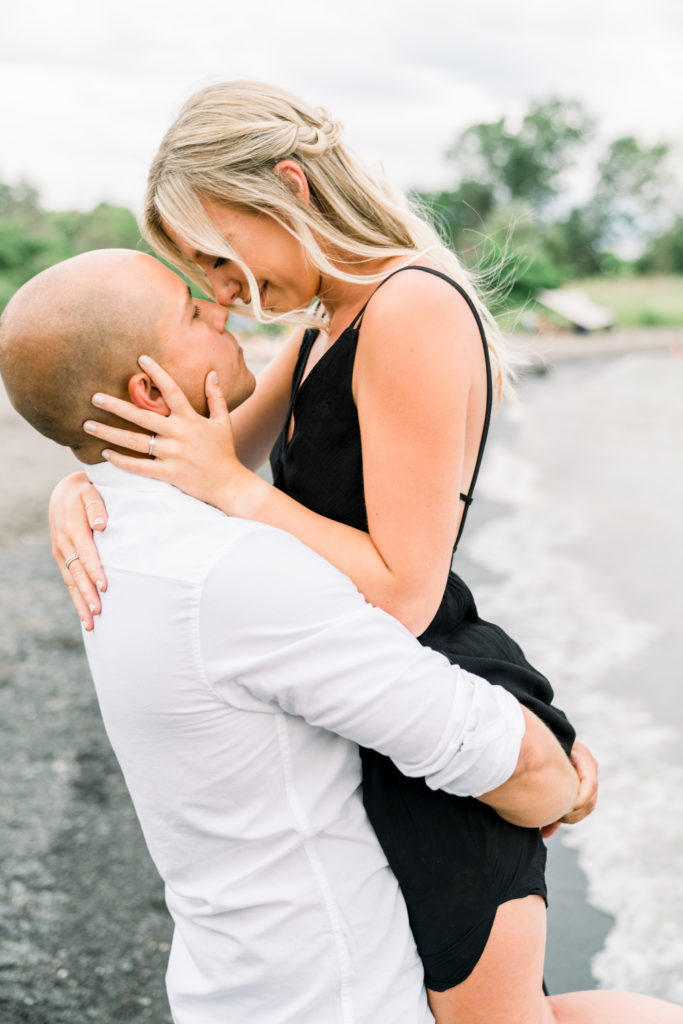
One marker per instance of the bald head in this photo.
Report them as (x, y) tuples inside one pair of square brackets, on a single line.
[(74, 329)]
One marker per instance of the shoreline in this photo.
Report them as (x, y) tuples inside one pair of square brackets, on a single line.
[(545, 348), (549, 348)]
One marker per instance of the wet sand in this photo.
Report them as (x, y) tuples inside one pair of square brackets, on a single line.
[(83, 930)]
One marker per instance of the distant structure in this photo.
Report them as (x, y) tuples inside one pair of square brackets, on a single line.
[(574, 306)]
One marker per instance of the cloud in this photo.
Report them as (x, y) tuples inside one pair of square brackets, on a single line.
[(92, 88)]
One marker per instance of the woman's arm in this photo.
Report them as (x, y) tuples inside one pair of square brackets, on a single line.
[(258, 421), (420, 388), (76, 510), (419, 385)]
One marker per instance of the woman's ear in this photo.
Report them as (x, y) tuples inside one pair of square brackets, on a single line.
[(294, 177), (143, 393)]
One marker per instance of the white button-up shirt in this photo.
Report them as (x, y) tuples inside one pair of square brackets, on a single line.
[(236, 671)]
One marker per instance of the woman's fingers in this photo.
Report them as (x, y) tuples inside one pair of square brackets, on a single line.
[(151, 421), (80, 566), (83, 611), (131, 439), (96, 512), (76, 509), (218, 408), (151, 468), (81, 570), (97, 518), (172, 394)]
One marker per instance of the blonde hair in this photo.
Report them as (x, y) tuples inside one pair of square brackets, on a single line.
[(224, 145)]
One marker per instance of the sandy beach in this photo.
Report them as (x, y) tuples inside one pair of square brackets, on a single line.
[(573, 545)]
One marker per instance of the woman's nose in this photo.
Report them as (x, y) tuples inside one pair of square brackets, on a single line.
[(227, 291)]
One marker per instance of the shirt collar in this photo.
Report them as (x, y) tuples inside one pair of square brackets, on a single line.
[(104, 474)]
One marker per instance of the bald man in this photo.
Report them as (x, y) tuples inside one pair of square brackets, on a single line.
[(236, 671)]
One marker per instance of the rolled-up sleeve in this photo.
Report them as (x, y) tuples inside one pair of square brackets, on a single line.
[(282, 627)]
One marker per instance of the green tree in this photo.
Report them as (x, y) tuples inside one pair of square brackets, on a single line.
[(631, 182), (506, 206), (461, 215), (102, 228), (526, 163), (507, 181), (664, 255), (32, 239)]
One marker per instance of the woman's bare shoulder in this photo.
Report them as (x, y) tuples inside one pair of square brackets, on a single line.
[(420, 313)]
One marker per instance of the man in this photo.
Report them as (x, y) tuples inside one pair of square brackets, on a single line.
[(236, 671)]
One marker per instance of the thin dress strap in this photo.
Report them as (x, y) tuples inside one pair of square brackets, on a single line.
[(310, 334), (356, 325)]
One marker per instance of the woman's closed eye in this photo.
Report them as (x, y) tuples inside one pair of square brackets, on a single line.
[(220, 260), (195, 313)]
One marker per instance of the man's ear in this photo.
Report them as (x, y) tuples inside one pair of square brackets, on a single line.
[(143, 393), (295, 178)]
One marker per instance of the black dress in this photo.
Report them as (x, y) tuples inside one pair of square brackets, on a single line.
[(456, 861)]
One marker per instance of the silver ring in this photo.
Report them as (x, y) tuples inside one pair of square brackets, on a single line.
[(151, 444), (70, 559)]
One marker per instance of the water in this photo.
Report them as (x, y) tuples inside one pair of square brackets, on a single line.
[(584, 565)]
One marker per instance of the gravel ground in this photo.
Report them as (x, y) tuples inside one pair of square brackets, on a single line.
[(83, 928), (84, 933)]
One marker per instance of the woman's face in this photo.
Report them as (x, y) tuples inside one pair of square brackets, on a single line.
[(285, 277)]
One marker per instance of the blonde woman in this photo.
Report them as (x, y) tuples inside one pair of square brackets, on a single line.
[(375, 414)]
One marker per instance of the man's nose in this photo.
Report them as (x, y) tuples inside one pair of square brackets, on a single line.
[(220, 314)]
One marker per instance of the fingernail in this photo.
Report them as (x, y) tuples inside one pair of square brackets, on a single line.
[(89, 426), (92, 608), (98, 522), (106, 455), (100, 585), (97, 399), (213, 377), (144, 360)]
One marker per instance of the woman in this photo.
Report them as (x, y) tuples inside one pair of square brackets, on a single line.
[(376, 410)]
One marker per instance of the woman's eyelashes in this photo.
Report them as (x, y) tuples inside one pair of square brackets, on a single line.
[(195, 313), (220, 260)]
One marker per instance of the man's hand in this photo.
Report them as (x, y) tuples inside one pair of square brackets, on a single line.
[(587, 769)]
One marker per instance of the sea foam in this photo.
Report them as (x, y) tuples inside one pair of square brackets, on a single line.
[(570, 625)]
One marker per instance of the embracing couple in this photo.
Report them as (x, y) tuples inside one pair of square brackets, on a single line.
[(246, 643)]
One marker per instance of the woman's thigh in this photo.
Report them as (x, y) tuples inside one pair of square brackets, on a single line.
[(506, 986)]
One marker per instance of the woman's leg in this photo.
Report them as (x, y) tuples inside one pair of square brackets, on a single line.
[(506, 985)]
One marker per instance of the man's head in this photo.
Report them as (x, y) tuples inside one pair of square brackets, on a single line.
[(79, 327)]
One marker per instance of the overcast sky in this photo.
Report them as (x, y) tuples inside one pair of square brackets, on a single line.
[(88, 88)]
